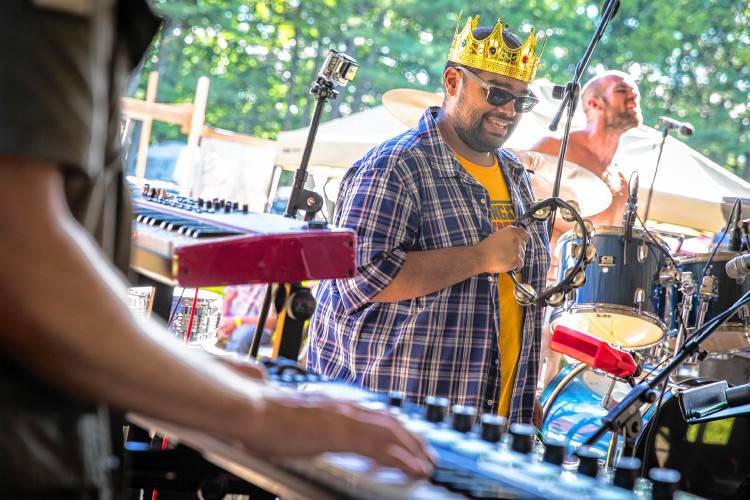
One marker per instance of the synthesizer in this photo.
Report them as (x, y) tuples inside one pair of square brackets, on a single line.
[(192, 242), (476, 457)]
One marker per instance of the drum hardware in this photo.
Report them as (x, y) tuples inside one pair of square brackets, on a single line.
[(687, 288), (639, 298), (642, 253), (628, 220), (668, 275), (618, 418), (706, 293), (606, 261), (734, 335)]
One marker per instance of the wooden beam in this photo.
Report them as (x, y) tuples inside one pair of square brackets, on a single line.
[(175, 114), (229, 136)]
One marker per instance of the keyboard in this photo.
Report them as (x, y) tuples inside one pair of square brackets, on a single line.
[(192, 242)]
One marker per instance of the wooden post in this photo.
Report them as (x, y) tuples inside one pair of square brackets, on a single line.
[(197, 124), (145, 138)]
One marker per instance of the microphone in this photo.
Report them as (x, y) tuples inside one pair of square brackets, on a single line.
[(631, 208), (683, 128), (593, 351), (707, 401), (738, 267), (739, 395)]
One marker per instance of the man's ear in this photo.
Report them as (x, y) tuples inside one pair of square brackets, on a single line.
[(594, 102), (451, 80)]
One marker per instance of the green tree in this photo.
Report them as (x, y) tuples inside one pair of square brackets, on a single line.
[(691, 56)]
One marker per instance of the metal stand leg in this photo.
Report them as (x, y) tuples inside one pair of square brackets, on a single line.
[(298, 308)]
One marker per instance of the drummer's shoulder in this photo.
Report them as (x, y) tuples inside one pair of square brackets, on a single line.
[(547, 145)]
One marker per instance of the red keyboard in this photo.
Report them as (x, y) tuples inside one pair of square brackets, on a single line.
[(194, 243)]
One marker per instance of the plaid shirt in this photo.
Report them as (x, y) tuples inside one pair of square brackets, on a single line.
[(411, 194)]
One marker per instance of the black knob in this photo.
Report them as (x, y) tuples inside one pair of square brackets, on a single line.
[(494, 427), (245, 208), (235, 206), (626, 472), (665, 482), (437, 408), (554, 451), (463, 418), (200, 202), (523, 437), (227, 208), (396, 398), (209, 204), (588, 462)]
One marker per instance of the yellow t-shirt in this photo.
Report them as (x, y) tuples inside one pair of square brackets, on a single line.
[(511, 314)]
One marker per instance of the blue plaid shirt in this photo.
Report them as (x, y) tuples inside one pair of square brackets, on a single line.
[(411, 194)]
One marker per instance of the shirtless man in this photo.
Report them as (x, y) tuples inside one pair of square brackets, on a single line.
[(611, 102)]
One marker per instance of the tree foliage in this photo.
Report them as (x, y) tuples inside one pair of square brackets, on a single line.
[(692, 57)]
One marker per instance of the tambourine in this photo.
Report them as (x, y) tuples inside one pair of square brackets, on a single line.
[(584, 253)]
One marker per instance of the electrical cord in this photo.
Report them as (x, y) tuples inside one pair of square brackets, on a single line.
[(710, 260)]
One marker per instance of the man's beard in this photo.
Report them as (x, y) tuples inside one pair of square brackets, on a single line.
[(469, 128), (622, 120)]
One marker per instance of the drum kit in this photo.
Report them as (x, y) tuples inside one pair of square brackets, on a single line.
[(641, 298)]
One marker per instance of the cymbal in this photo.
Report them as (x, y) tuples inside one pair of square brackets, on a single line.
[(584, 187), (408, 105)]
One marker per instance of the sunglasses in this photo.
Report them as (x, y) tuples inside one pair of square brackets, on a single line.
[(497, 96)]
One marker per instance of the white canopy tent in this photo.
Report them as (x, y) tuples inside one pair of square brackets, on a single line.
[(688, 191), (340, 142)]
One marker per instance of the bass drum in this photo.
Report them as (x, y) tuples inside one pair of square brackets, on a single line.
[(713, 457)]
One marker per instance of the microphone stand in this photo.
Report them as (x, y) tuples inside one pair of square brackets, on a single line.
[(338, 69), (664, 135), (569, 95), (301, 198), (626, 410)]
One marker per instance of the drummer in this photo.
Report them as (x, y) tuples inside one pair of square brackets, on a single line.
[(611, 102)]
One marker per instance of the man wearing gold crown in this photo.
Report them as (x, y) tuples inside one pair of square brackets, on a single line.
[(430, 310)]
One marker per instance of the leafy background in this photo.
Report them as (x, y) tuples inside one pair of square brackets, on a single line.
[(691, 57)]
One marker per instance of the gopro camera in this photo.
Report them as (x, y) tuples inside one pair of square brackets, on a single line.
[(339, 68)]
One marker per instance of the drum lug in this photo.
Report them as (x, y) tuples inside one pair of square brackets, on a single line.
[(707, 288), (642, 252), (743, 313), (639, 298), (667, 276)]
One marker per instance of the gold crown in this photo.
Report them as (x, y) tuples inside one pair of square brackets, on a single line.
[(492, 54)]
